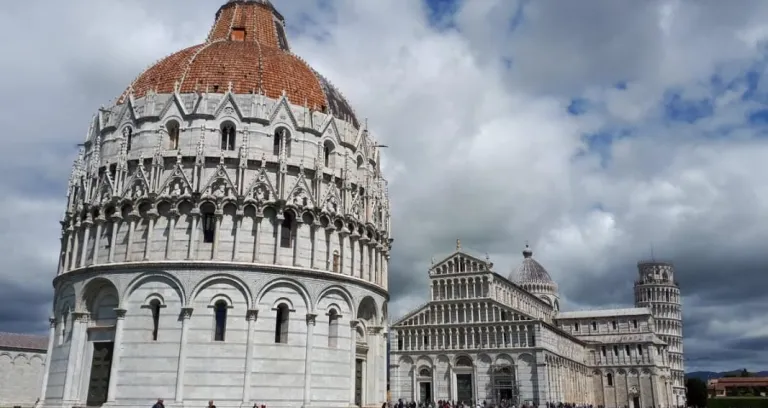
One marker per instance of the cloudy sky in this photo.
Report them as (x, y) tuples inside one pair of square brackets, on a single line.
[(595, 130)]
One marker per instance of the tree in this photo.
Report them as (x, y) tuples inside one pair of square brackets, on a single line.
[(696, 392), (745, 373)]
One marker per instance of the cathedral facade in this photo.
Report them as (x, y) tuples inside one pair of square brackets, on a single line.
[(486, 337), (226, 236)]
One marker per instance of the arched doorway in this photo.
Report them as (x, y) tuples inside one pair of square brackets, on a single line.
[(504, 384), (100, 299), (424, 382), (464, 380)]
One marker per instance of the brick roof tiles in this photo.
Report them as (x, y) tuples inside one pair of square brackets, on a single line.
[(255, 60), (23, 341)]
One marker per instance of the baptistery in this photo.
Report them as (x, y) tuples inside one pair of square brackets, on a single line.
[(226, 236)]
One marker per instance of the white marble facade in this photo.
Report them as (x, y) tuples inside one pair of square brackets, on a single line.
[(222, 246), (22, 363), (484, 337)]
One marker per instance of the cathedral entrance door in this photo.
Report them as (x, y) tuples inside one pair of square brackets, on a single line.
[(359, 382), (464, 388), (425, 391), (635, 402), (101, 364), (505, 394)]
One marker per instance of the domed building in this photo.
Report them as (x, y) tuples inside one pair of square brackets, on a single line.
[(483, 337), (226, 236), (531, 276)]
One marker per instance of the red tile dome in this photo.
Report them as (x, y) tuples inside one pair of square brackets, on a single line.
[(246, 51)]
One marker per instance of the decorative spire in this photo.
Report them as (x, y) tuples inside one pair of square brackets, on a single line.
[(527, 252), (458, 244)]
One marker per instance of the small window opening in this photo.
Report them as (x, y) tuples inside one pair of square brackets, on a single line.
[(609, 379), (276, 143), (614, 324), (639, 349), (426, 340), (628, 350), (327, 152), (220, 313), (154, 305), (286, 231), (575, 327), (238, 34), (228, 132), (281, 324), (634, 324), (173, 134), (128, 135), (594, 326), (616, 350), (209, 226), (360, 162), (602, 351), (399, 344)]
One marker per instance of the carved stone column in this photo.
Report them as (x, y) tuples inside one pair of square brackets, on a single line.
[(314, 228), (75, 245), (364, 259), (278, 237), (329, 247), (68, 248), (151, 219), (116, 219), (173, 216), (86, 236), (116, 352), (195, 214), (216, 235), (352, 363), (343, 232), (238, 221), (311, 317), (296, 228), (47, 369), (186, 314), (132, 218), (97, 240), (251, 316), (353, 240), (256, 241), (75, 359)]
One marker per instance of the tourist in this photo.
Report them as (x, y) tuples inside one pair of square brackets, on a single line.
[(210, 404), (159, 404)]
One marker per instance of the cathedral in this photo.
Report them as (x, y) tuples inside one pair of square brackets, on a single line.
[(486, 337), (226, 236)]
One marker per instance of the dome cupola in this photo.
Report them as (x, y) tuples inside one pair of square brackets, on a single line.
[(246, 52), (534, 278)]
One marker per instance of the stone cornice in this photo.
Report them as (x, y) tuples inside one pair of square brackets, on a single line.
[(219, 265)]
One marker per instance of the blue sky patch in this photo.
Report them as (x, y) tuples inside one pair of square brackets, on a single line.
[(440, 12), (679, 109), (578, 106)]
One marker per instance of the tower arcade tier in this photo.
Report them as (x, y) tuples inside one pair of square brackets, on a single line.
[(657, 290)]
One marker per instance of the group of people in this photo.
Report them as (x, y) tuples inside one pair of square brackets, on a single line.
[(161, 404), (484, 404)]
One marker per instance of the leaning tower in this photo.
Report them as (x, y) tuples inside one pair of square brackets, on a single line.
[(657, 290), (226, 235)]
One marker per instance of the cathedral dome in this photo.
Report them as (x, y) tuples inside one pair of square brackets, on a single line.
[(246, 52), (530, 270)]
